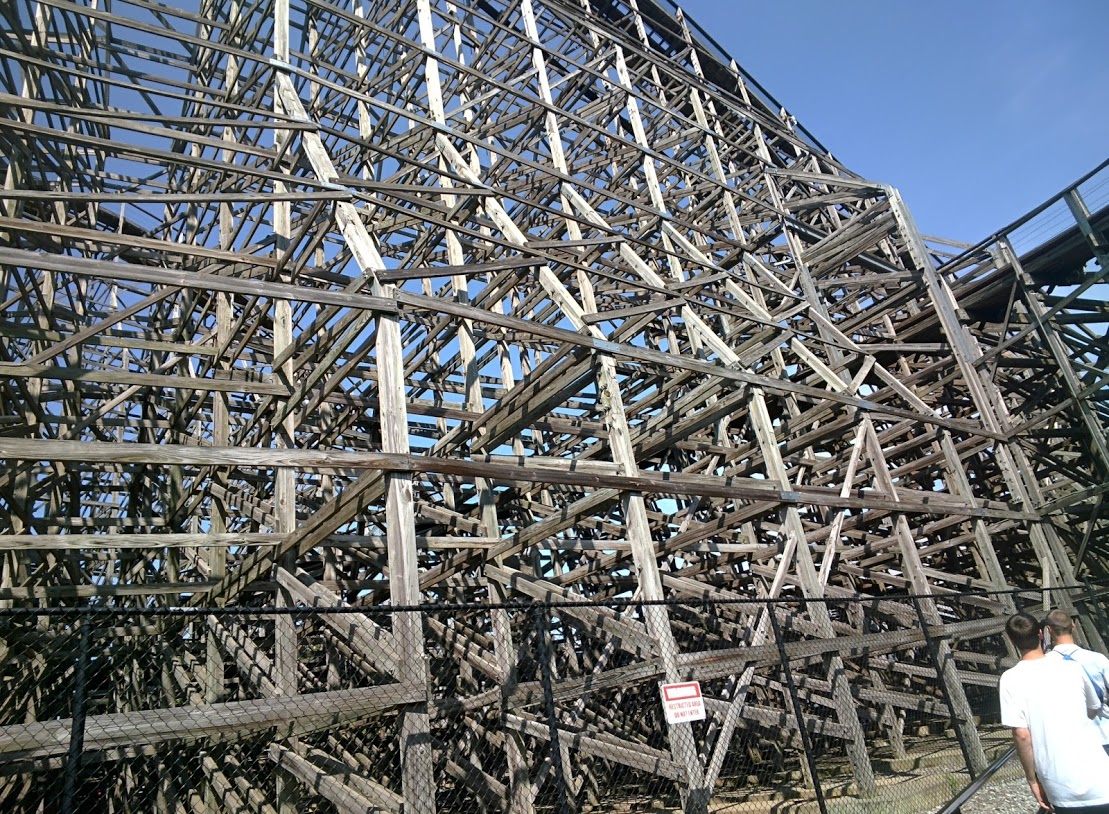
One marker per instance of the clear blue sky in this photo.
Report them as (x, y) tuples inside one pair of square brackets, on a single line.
[(976, 110)]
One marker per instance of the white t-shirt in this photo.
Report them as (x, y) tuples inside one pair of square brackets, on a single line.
[(1049, 697), (1096, 667)]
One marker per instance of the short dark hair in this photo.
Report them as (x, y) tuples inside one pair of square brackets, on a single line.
[(1060, 622), (1024, 631)]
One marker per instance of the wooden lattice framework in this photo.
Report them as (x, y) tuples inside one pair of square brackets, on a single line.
[(425, 301)]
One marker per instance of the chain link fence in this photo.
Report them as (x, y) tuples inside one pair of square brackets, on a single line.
[(809, 706)]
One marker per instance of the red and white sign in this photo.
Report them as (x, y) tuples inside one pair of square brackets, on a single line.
[(683, 702)]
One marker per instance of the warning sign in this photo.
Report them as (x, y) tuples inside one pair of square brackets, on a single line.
[(683, 702)]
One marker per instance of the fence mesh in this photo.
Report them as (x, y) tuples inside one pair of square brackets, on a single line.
[(858, 705)]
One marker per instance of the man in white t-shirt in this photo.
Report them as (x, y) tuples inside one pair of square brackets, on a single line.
[(1060, 626), (1048, 704)]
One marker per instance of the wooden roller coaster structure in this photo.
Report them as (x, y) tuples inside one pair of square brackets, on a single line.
[(430, 303)]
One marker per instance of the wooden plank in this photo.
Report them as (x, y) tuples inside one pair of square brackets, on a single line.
[(657, 483), (291, 715)]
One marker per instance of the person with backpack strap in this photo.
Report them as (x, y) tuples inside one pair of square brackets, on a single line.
[(1048, 703), (1060, 626)]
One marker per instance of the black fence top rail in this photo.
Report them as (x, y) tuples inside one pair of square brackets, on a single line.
[(1090, 590)]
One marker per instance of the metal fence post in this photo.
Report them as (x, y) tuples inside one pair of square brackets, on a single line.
[(934, 650), (806, 744), (77, 728), (545, 654)]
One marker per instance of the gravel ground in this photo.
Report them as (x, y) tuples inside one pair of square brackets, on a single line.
[(1003, 797)]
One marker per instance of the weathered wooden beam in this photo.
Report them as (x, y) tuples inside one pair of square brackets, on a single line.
[(290, 715), (659, 483)]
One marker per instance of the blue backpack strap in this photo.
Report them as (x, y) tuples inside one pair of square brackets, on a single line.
[(1097, 687)]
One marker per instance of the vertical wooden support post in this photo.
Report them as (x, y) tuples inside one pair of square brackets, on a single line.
[(415, 739), (285, 636), (216, 555), (16, 567), (682, 744), (284, 509)]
